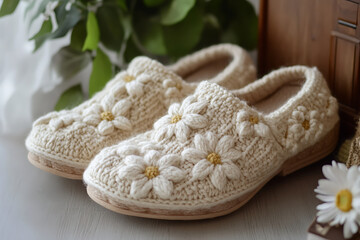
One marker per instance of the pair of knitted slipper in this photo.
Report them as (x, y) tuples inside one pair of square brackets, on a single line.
[(209, 154)]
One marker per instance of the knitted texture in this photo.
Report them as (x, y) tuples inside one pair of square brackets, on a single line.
[(128, 105), (354, 154), (215, 147)]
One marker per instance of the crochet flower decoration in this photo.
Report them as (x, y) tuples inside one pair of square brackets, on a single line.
[(304, 125), (340, 193), (64, 120), (151, 172), (134, 82), (180, 120), (250, 124), (214, 158), (173, 89), (107, 116)]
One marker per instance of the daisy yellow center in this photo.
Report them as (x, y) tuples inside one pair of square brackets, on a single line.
[(306, 124), (175, 118), (178, 86), (108, 116), (214, 158), (344, 200), (129, 78), (151, 172), (254, 120)]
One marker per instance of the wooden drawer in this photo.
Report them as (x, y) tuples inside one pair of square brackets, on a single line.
[(347, 16)]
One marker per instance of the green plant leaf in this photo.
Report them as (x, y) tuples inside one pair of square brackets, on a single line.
[(242, 28), (153, 3), (122, 4), (111, 28), (8, 7), (131, 51), (101, 72), (70, 98), (66, 21), (67, 61), (93, 33), (78, 36), (46, 28), (150, 35), (176, 11), (41, 8), (182, 37)]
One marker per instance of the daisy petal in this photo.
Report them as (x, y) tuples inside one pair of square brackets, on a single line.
[(121, 107), (202, 144), (218, 178), (193, 155), (195, 108), (122, 123), (224, 144), (231, 170), (105, 127), (169, 160), (93, 120), (182, 131), (131, 172), (135, 88), (202, 169), (162, 187), (141, 188), (134, 160), (164, 121), (173, 174), (174, 109), (195, 121)]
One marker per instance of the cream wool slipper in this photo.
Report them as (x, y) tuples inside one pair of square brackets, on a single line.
[(176, 171), (64, 142)]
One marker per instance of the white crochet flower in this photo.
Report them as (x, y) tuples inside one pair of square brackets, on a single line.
[(250, 124), (180, 120), (151, 172), (107, 116), (303, 126), (173, 88), (63, 120), (214, 158), (340, 194), (329, 103), (134, 82)]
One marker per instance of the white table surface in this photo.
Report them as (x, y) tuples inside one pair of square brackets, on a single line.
[(37, 205)]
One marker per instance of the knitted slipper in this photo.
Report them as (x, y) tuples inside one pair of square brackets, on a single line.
[(210, 155), (354, 154), (64, 142)]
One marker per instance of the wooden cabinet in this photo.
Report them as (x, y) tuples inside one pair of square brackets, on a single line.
[(322, 33)]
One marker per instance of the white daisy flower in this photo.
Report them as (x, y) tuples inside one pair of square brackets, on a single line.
[(250, 124), (134, 82), (151, 172), (304, 125), (340, 193), (107, 116), (180, 119), (214, 158)]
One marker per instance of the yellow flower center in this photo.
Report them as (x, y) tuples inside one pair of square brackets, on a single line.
[(214, 158), (306, 124), (108, 116), (175, 118), (129, 78), (254, 120), (151, 172), (344, 200), (178, 86)]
